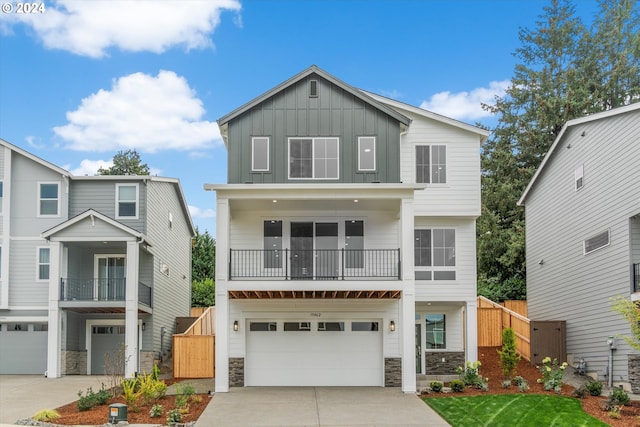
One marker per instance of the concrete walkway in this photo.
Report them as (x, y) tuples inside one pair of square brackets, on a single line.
[(317, 406)]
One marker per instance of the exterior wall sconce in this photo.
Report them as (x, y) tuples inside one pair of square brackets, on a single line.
[(236, 326), (392, 326)]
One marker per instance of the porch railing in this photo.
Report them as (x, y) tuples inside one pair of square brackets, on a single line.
[(314, 264), (635, 273), (93, 289)]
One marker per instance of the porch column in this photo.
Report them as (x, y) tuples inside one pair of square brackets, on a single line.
[(408, 308), (131, 310), (222, 299), (471, 319), (54, 334)]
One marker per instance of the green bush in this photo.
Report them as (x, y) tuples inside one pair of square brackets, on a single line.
[(618, 397), (91, 399), (518, 380), (436, 386), (173, 416), (457, 385), (509, 356), (594, 387), (156, 411), (470, 374), (46, 415)]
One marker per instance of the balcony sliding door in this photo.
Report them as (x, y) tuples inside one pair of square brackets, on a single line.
[(110, 273), (301, 250), (327, 260)]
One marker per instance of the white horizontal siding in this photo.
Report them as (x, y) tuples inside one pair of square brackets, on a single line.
[(453, 323), (24, 290)]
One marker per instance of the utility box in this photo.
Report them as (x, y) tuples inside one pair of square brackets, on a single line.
[(117, 413)]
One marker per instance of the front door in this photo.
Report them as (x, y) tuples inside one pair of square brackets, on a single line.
[(418, 348), (301, 250)]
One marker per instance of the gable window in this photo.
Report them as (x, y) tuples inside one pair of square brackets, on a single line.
[(313, 158), (596, 242), (435, 248), (431, 164), (436, 331), (44, 264), (126, 200), (48, 198), (260, 154), (272, 244), (579, 177), (366, 153), (313, 88)]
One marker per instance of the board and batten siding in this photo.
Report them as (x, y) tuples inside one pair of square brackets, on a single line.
[(464, 287), (172, 246), (562, 282), (333, 113), (460, 196)]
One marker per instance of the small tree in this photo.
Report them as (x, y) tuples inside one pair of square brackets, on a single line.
[(509, 357), (126, 163), (631, 313)]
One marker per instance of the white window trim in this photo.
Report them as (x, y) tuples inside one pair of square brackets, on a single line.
[(136, 185), (415, 160), (584, 242), (253, 151), (360, 168), (313, 165), (40, 215), (579, 174), (38, 248)]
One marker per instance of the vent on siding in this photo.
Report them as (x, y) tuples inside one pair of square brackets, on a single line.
[(313, 88), (596, 242)]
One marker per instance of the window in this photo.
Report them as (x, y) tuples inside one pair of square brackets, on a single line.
[(313, 88), (331, 326), (596, 242), (354, 243), (263, 326), (48, 201), (127, 201), (43, 264), (297, 326), (366, 153), (431, 164), (272, 244), (435, 248), (313, 158), (364, 326), (436, 331), (579, 177), (260, 154)]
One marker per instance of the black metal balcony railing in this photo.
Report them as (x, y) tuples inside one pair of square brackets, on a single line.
[(636, 277), (314, 264), (101, 290)]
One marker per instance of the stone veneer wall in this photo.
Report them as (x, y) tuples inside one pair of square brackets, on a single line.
[(392, 372), (634, 372), (443, 363), (74, 362), (236, 372)]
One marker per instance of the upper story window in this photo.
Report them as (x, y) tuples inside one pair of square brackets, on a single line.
[(44, 264), (596, 242), (259, 154), (127, 201), (579, 177), (313, 88), (48, 199), (366, 153), (313, 158), (436, 248), (431, 164)]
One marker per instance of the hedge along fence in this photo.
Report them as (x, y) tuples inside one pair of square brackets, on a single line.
[(493, 318)]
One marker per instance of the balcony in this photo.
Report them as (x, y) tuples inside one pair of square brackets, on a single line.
[(101, 290), (635, 273), (314, 264)]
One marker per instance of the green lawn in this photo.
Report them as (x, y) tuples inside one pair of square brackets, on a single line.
[(512, 410)]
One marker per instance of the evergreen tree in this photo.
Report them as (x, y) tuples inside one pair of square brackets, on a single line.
[(126, 163), (203, 257)]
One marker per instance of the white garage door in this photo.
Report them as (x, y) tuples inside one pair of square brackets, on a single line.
[(23, 348), (314, 353)]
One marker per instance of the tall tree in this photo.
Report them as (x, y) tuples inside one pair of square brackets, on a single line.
[(561, 74), (203, 270), (126, 163)]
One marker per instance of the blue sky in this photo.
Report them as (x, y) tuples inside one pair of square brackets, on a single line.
[(85, 79)]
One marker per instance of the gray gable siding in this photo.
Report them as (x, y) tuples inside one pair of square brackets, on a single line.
[(293, 113), (100, 195), (562, 282)]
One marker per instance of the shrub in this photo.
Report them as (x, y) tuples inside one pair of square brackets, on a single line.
[(185, 389), (594, 387), (470, 374), (173, 416), (523, 386), (506, 383), (552, 374), (182, 401), (91, 399), (457, 385), (436, 386), (156, 411), (518, 380), (581, 392), (46, 415), (131, 392), (618, 397), (509, 356), (151, 388)]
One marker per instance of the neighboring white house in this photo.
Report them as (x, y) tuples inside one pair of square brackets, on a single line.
[(583, 236), (346, 252), (90, 266)]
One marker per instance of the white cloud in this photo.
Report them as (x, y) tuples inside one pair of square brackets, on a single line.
[(140, 112), (90, 167), (197, 212), (466, 105), (88, 28)]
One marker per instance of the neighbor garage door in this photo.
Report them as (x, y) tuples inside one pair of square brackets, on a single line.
[(23, 348), (314, 353)]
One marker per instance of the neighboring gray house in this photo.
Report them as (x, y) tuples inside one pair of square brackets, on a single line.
[(583, 235), (89, 266), (345, 239)]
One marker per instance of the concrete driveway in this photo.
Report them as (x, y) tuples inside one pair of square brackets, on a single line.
[(317, 406), (21, 396)]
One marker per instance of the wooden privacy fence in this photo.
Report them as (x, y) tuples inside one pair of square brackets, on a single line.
[(493, 318), (194, 350)]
